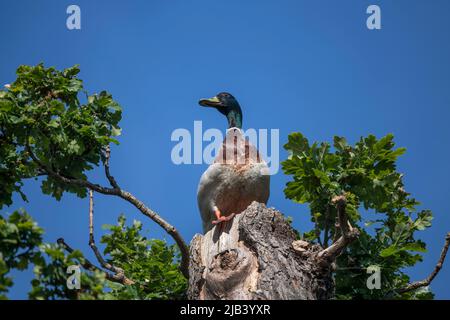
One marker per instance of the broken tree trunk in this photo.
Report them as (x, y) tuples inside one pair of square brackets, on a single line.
[(257, 256)]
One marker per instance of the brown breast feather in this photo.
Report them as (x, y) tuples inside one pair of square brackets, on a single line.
[(237, 151)]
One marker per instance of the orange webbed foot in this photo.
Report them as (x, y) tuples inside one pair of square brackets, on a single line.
[(220, 217)]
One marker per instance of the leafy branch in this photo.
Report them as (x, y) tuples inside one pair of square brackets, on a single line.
[(341, 186), (152, 264), (47, 131), (348, 233)]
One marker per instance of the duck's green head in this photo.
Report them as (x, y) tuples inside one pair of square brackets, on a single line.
[(228, 106)]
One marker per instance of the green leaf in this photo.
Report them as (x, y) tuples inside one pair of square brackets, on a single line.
[(393, 249), (54, 123), (389, 251), (297, 144), (116, 131), (415, 246), (340, 143), (324, 179), (424, 220)]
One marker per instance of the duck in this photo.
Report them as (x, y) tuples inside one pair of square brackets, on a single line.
[(238, 174)]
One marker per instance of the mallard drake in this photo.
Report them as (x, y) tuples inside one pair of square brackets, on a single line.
[(238, 176)]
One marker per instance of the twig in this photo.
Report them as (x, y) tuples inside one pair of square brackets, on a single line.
[(348, 233), (423, 283), (111, 179), (326, 230), (116, 270), (91, 267), (171, 230), (91, 217)]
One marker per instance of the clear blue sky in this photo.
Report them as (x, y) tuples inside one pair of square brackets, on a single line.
[(309, 66)]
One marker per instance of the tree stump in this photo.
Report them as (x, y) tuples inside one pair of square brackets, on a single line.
[(257, 256)]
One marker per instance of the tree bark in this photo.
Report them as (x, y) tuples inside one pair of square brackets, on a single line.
[(257, 256)]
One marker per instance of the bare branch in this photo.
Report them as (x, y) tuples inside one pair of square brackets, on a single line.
[(348, 233), (116, 270), (171, 230), (426, 282), (91, 267), (326, 229), (91, 217), (111, 179)]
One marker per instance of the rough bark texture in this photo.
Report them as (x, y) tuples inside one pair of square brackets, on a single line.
[(257, 256)]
